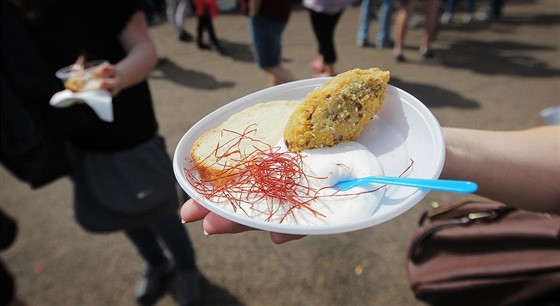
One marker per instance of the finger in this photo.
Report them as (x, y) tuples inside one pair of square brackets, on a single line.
[(215, 224), (192, 211), (110, 86), (106, 84), (282, 238), (105, 71)]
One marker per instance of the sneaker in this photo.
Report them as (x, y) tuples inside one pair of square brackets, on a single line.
[(446, 18), (426, 54), (153, 284), (185, 36), (384, 44), (203, 46), (187, 288), (467, 18), (399, 57), (362, 43), (489, 14)]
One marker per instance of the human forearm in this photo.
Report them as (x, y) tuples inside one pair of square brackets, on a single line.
[(141, 53), (519, 168), (137, 65)]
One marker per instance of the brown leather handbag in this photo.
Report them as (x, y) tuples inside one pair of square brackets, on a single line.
[(485, 253)]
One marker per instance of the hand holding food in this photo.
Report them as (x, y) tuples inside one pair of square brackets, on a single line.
[(83, 76), (192, 211)]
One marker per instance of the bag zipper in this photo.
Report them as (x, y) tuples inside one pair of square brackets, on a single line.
[(471, 218)]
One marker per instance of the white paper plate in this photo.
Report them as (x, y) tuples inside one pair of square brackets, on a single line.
[(403, 131)]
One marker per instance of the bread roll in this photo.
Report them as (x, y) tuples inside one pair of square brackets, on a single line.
[(267, 118)]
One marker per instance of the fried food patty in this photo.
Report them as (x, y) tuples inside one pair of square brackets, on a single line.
[(336, 111)]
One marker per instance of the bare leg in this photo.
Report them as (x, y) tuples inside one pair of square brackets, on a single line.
[(401, 23), (279, 75), (432, 9)]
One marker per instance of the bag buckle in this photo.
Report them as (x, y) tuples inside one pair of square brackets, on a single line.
[(482, 216)]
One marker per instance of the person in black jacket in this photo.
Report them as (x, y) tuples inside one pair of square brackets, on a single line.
[(115, 31)]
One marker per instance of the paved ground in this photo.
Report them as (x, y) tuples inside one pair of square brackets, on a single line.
[(486, 75)]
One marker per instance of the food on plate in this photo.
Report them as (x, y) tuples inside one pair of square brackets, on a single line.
[(280, 161), (337, 111), (324, 167), (82, 77), (275, 185), (266, 119)]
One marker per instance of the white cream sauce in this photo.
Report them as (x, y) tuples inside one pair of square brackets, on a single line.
[(325, 167)]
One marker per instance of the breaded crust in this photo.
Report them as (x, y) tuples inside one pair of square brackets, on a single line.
[(336, 111)]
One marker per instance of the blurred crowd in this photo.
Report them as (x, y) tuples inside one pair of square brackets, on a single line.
[(393, 18)]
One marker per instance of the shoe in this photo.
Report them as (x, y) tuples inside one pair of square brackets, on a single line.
[(317, 66), (490, 15), (384, 44), (399, 57), (186, 288), (203, 46), (467, 18), (446, 18), (427, 53), (153, 284), (185, 36), (362, 43)]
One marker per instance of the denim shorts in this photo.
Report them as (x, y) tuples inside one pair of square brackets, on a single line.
[(266, 35)]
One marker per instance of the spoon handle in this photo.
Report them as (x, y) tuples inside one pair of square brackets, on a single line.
[(440, 185)]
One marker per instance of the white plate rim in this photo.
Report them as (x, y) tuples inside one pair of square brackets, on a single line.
[(408, 101)]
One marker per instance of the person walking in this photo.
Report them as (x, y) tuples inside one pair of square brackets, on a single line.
[(450, 10), (206, 10), (385, 20), (176, 11), (405, 10), (324, 16), (267, 21)]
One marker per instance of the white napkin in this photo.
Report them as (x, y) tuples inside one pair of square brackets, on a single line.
[(99, 100)]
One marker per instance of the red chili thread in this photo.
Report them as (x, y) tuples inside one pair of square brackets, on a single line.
[(262, 175)]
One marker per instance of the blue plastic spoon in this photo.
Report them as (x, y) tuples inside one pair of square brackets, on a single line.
[(440, 185)]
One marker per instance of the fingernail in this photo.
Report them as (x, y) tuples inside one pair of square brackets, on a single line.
[(183, 221), (206, 233)]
